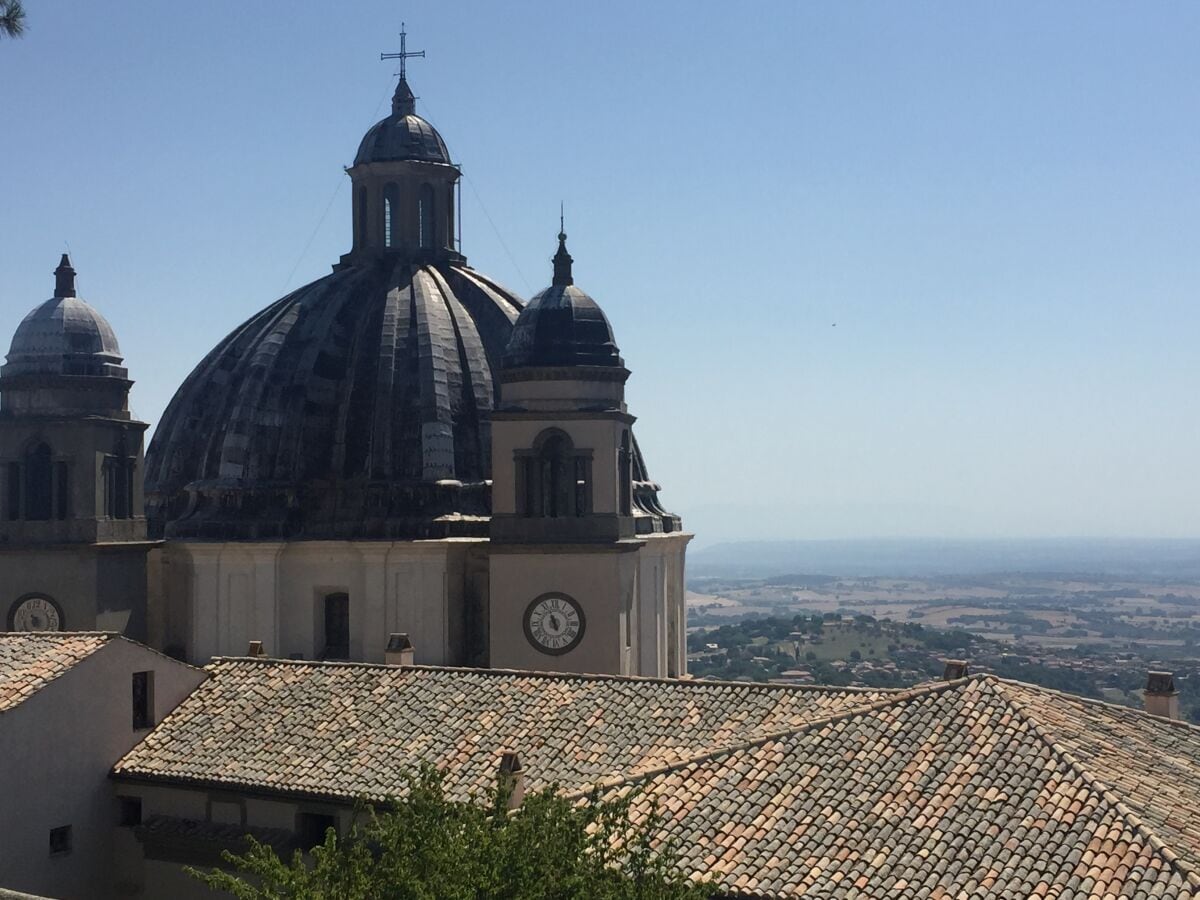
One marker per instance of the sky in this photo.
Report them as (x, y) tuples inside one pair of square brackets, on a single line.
[(878, 269)]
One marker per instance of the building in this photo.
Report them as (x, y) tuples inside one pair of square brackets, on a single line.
[(400, 446), (73, 548), (71, 704), (973, 787)]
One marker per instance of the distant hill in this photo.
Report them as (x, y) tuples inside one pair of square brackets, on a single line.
[(906, 557)]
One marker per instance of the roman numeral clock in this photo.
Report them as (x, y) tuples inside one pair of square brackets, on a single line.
[(554, 623)]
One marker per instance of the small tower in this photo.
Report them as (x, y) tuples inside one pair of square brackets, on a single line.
[(403, 184), (575, 584), (72, 528)]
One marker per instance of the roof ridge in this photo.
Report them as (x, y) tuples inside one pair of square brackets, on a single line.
[(1157, 844), (581, 676), (46, 682), (904, 694), (1095, 701)]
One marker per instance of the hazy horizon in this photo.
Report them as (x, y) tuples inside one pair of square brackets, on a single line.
[(878, 271)]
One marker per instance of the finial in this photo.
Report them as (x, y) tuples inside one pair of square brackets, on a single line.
[(562, 259), (64, 278), (403, 101)]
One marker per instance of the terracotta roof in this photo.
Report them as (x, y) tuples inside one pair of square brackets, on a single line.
[(345, 730), (975, 788), (30, 660)]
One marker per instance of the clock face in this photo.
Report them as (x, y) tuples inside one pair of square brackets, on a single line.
[(554, 623), (36, 614)]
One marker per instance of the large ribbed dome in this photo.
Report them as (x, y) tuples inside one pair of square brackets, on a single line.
[(64, 336), (356, 406)]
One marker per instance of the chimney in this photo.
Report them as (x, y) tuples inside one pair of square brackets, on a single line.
[(955, 668), (256, 650), (1161, 698), (399, 650), (511, 779)]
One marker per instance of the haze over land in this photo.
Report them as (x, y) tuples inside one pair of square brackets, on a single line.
[(1132, 558)]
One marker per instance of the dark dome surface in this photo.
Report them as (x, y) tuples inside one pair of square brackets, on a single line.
[(64, 336), (562, 326), (356, 406), (403, 135)]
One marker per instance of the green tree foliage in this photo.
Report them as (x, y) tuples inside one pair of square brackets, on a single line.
[(426, 847), (12, 18)]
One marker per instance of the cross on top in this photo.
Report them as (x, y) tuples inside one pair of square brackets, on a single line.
[(404, 54)]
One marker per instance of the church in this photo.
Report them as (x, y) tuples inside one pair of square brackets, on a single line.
[(402, 447)]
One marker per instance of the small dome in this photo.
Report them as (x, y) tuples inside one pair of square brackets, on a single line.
[(64, 336), (402, 136), (562, 326)]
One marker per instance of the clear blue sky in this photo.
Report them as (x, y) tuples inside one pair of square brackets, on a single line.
[(997, 204)]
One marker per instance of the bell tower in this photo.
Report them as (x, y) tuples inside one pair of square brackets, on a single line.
[(73, 548), (567, 587)]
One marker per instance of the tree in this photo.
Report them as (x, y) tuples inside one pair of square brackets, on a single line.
[(12, 18), (426, 846)]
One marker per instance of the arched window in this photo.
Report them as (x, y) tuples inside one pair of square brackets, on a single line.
[(625, 474), (425, 216), (337, 626), (391, 215), (39, 483), (118, 487), (554, 479), (361, 221)]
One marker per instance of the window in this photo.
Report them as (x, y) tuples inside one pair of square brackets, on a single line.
[(143, 700), (337, 626), (391, 215), (425, 216), (554, 479), (118, 487), (39, 489), (60, 840), (129, 811), (311, 828), (625, 475), (14, 490), (62, 496), (361, 221)]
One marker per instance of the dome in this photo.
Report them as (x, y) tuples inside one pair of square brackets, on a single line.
[(64, 336), (354, 407), (402, 136), (562, 326)]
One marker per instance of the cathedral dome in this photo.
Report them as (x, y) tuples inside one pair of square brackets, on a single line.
[(64, 336), (354, 407), (562, 326), (402, 136)]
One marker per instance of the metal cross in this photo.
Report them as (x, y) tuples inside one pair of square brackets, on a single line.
[(403, 54)]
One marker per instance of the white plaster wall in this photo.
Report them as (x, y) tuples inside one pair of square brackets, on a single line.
[(661, 610), (601, 581), (58, 747), (274, 592)]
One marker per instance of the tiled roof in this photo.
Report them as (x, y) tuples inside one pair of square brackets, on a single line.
[(975, 788), (345, 730), (29, 660)]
